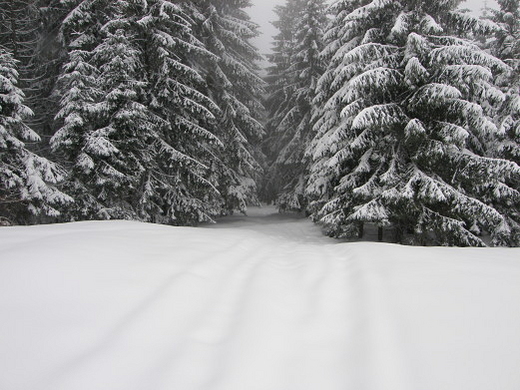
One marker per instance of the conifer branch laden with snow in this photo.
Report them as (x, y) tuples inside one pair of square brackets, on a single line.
[(505, 45), (28, 182)]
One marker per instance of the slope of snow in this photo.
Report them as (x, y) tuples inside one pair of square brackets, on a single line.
[(257, 303)]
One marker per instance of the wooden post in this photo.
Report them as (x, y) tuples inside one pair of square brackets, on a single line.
[(380, 233)]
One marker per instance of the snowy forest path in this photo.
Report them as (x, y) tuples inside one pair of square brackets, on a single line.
[(334, 292)]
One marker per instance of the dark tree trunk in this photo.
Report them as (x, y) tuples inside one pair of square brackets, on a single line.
[(361, 230)]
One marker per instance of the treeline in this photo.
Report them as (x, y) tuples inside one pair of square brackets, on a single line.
[(403, 115), (136, 109)]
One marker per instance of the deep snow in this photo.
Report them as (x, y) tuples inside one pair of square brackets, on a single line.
[(258, 303)]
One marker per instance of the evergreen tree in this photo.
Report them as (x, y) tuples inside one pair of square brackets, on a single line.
[(49, 55), (137, 121), (180, 182), (403, 124), (18, 29), (85, 139), (81, 91), (293, 132), (280, 90), (506, 46), (106, 125), (27, 181), (232, 81), (341, 36), (27, 31)]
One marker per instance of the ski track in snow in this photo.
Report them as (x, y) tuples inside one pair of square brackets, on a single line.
[(263, 302)]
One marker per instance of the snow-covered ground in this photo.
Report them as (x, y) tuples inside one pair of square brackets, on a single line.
[(258, 303)]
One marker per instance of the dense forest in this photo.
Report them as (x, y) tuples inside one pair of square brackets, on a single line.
[(398, 115)]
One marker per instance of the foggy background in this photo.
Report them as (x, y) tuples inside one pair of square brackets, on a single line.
[(262, 13)]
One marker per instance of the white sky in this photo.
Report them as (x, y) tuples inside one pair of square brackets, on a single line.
[(262, 13)]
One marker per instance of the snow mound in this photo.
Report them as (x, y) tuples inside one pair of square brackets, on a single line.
[(263, 302)]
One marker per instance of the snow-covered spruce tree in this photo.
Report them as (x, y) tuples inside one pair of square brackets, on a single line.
[(401, 135), (180, 186), (280, 90), (506, 46), (106, 126), (80, 88), (294, 130), (326, 114), (85, 141), (45, 67), (232, 82), (27, 181), (18, 29), (133, 118), (81, 28), (118, 148), (22, 32)]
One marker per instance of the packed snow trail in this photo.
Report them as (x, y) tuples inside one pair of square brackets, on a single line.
[(263, 302)]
